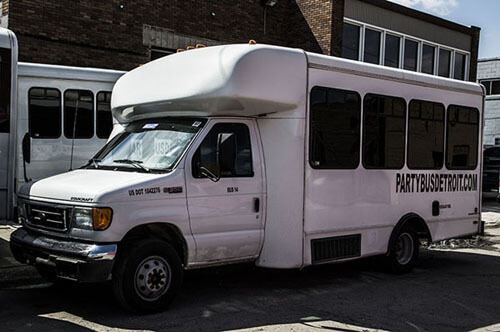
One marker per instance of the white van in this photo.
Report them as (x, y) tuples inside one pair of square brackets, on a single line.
[(265, 154), (46, 137)]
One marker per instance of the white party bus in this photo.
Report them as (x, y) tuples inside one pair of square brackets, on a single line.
[(259, 153), (40, 135)]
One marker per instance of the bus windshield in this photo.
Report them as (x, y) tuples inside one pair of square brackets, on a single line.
[(148, 146)]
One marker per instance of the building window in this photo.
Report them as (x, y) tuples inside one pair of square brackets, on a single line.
[(78, 114), (44, 112), (391, 58), (104, 123), (492, 86), (411, 55), (384, 121), (350, 41), (335, 128), (444, 63), (462, 131), (363, 42), (372, 46), (428, 53), (157, 53), (230, 142), (425, 135), (459, 72)]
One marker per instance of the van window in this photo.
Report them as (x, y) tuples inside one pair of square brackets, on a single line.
[(462, 130), (335, 128), (235, 153), (384, 120), (425, 135), (104, 124), (44, 112), (79, 106)]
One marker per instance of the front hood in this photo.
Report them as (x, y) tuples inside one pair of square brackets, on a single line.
[(84, 185)]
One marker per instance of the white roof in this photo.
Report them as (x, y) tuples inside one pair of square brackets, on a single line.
[(241, 80), (68, 72)]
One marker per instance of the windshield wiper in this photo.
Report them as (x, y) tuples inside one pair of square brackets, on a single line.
[(94, 162), (136, 163)]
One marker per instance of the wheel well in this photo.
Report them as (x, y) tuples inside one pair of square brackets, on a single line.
[(162, 231), (414, 220)]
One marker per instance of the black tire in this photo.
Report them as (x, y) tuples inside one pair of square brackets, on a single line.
[(147, 275), (403, 253)]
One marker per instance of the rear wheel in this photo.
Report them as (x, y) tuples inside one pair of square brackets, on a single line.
[(147, 276), (403, 253)]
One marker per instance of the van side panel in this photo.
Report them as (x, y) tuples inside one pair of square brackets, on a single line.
[(365, 204), (283, 142)]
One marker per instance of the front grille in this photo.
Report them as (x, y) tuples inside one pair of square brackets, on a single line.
[(48, 216), (334, 248)]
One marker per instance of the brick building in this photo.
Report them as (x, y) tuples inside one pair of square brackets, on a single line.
[(122, 34), (488, 73)]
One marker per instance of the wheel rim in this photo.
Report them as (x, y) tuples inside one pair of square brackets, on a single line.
[(152, 278), (404, 248)]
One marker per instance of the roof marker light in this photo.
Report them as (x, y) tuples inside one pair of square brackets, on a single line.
[(200, 45), (190, 48), (179, 50), (252, 42)]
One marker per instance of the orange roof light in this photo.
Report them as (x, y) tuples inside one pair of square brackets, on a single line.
[(200, 45), (252, 42), (179, 50), (190, 48)]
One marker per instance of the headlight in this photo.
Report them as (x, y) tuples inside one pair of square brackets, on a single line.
[(21, 213), (97, 219)]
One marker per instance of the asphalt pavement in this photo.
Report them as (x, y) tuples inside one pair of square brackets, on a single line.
[(455, 287)]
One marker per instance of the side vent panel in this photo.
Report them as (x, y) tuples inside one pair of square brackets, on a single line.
[(334, 248)]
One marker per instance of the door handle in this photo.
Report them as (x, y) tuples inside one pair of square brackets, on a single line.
[(256, 204)]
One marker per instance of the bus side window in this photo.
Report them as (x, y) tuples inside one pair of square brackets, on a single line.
[(79, 104), (335, 127), (462, 131), (44, 113), (425, 135), (384, 121), (104, 123)]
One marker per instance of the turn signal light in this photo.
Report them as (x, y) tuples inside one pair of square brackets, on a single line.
[(101, 218)]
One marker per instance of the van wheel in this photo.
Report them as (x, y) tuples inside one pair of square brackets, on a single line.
[(403, 254), (147, 276)]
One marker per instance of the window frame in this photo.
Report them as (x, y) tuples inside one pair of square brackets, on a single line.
[(61, 110), (94, 107), (407, 147), (360, 134), (362, 149), (97, 112), (381, 44), (420, 43), (202, 138), (384, 40), (360, 41), (447, 139)]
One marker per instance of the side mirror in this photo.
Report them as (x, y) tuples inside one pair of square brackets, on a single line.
[(27, 148), (208, 173)]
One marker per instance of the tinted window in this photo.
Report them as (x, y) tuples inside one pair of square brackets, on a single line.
[(462, 137), (495, 87), (44, 113), (5, 81), (335, 127), (78, 113), (391, 58), (383, 131), (411, 49), (444, 63), (425, 135), (459, 73), (428, 59), (104, 124), (235, 154), (350, 41), (372, 46)]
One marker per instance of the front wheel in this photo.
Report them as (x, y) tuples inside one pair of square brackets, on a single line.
[(403, 254), (147, 276)]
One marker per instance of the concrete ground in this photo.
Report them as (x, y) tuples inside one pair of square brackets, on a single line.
[(450, 290)]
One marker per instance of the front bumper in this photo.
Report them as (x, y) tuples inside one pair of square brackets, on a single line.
[(78, 261)]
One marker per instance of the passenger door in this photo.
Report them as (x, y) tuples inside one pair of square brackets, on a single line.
[(226, 213)]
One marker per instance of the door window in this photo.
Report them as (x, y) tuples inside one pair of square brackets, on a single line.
[(225, 151)]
